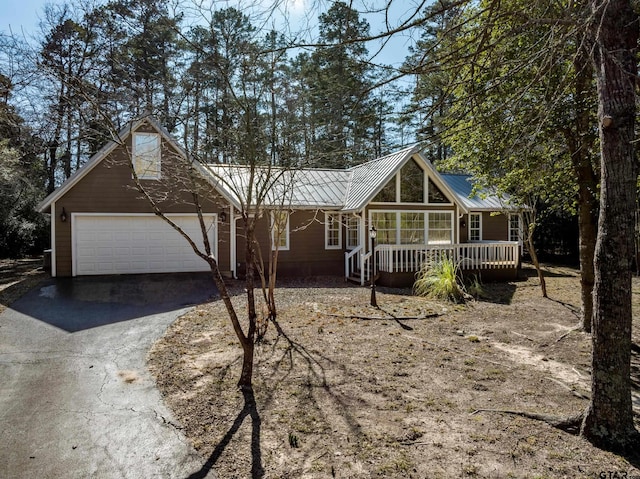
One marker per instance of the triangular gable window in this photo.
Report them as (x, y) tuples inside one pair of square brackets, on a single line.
[(388, 193), (411, 183), (435, 194)]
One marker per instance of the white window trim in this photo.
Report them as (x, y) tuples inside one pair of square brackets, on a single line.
[(357, 221), (286, 232), (479, 215), (440, 186), (426, 222), (425, 200), (327, 223), (143, 175), (510, 229), (453, 226)]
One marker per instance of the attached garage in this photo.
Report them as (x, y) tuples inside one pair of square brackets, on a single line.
[(137, 243)]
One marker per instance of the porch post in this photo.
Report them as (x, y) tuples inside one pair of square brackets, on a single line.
[(372, 235), (232, 241)]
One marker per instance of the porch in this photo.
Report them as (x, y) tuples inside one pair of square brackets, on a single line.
[(397, 265)]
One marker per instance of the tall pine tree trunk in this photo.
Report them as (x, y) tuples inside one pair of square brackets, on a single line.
[(609, 418), (579, 147)]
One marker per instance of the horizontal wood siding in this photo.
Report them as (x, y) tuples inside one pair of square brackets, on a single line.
[(306, 256), (495, 227), (109, 188)]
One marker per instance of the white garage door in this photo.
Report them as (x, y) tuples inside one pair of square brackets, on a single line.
[(128, 244)]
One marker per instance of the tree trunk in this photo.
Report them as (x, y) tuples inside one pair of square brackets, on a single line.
[(580, 146), (536, 263), (248, 345), (529, 225), (609, 418), (246, 376)]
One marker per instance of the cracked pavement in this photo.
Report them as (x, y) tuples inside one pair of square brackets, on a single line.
[(76, 399)]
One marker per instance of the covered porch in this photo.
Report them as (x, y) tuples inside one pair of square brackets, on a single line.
[(396, 265)]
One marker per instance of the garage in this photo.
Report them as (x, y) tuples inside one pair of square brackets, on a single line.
[(137, 243)]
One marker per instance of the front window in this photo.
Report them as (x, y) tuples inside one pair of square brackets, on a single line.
[(280, 230), (146, 155), (353, 232), (413, 227), (412, 183), (435, 194), (515, 228), (388, 193), (385, 224), (475, 226), (440, 228), (332, 231)]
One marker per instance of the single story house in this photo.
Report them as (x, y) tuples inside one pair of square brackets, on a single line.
[(102, 224)]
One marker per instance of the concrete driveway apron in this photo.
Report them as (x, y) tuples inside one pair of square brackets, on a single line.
[(76, 399)]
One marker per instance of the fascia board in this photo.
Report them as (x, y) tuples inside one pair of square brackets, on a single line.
[(95, 160)]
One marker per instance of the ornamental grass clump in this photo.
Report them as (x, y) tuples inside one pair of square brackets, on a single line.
[(439, 280)]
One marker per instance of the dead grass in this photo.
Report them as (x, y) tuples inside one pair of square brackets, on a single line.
[(338, 396)]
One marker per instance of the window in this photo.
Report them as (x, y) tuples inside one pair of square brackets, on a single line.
[(388, 193), (412, 228), (385, 224), (353, 232), (280, 230), (332, 231), (440, 228), (412, 183), (435, 194), (515, 230), (475, 226), (146, 155)]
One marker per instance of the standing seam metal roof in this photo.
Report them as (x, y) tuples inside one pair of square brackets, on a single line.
[(368, 178), (482, 199), (346, 190), (304, 188)]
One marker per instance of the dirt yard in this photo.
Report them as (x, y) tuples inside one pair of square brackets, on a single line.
[(340, 396)]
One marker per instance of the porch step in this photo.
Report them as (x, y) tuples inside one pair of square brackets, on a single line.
[(354, 279)]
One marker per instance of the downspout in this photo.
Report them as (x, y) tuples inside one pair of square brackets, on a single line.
[(53, 240), (457, 225), (363, 232)]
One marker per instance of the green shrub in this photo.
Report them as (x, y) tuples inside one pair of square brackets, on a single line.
[(475, 289), (439, 280)]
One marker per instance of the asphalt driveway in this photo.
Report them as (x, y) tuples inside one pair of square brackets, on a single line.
[(76, 400)]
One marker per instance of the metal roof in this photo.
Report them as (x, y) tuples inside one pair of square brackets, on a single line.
[(347, 190), (370, 177), (482, 199), (278, 187)]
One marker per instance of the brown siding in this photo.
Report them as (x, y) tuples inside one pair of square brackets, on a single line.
[(463, 224), (109, 188), (495, 227), (306, 255)]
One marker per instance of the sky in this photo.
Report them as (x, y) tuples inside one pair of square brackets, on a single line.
[(21, 17)]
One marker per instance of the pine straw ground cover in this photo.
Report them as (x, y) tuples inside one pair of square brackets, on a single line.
[(341, 396)]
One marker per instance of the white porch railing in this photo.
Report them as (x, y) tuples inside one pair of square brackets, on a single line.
[(352, 261), (409, 258)]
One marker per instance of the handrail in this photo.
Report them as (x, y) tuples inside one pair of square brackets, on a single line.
[(365, 267), (351, 261)]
